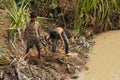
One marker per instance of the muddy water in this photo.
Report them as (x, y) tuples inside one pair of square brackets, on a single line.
[(104, 63)]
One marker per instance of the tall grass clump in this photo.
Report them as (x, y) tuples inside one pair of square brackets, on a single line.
[(95, 14), (18, 18)]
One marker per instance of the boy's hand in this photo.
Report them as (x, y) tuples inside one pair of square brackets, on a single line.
[(61, 46), (59, 50)]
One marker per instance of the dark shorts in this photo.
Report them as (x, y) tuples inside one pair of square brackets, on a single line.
[(32, 42), (54, 35)]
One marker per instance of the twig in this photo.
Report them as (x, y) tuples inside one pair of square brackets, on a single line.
[(1, 75), (25, 56), (15, 59), (31, 71), (16, 73)]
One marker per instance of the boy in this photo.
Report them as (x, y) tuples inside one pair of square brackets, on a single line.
[(57, 34), (32, 33)]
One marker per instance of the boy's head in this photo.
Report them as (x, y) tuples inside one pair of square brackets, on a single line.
[(33, 16)]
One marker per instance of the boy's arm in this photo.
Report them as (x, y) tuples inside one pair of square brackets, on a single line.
[(39, 27), (25, 32), (38, 31), (47, 40), (61, 40)]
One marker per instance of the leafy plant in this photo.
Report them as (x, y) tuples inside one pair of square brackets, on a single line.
[(54, 4), (18, 16), (3, 58), (1, 50), (95, 13)]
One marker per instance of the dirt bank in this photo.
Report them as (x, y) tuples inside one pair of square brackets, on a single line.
[(59, 66)]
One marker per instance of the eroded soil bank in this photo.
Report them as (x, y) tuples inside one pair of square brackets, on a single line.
[(58, 66)]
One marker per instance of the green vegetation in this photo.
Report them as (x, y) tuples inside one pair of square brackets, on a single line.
[(3, 59), (96, 14), (82, 15), (18, 17)]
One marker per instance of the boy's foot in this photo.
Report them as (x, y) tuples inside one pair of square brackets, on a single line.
[(72, 54)]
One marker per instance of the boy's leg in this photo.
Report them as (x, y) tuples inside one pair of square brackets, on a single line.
[(54, 44), (27, 50), (66, 41), (29, 45), (38, 47)]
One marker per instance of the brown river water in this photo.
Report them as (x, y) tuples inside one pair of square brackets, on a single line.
[(104, 62)]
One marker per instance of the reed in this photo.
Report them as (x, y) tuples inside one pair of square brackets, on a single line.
[(19, 15), (95, 14)]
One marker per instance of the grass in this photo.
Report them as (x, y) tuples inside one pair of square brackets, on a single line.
[(95, 13), (19, 15)]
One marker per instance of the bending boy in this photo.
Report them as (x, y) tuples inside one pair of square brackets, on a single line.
[(57, 34)]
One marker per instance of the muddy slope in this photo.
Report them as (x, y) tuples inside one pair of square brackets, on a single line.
[(51, 66)]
